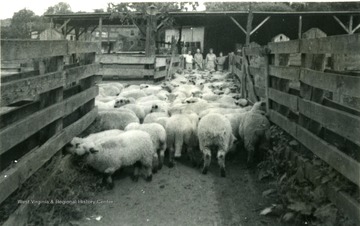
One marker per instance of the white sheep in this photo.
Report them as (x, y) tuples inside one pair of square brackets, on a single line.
[(215, 135), (108, 90), (181, 131), (158, 136), (111, 119), (154, 116), (73, 146), (110, 154), (254, 130), (138, 110), (136, 94)]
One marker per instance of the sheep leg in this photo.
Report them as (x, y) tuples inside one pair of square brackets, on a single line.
[(137, 167), (161, 158), (171, 157), (207, 160), (251, 153), (221, 161), (148, 171), (155, 163), (179, 140), (107, 179)]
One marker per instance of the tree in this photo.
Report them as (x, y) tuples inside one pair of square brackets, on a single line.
[(60, 8), (21, 25), (99, 11), (136, 13), (244, 6)]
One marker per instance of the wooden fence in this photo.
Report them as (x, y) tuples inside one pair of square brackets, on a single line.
[(121, 67), (314, 103), (44, 107)]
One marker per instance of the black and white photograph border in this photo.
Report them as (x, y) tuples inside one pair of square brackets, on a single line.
[(162, 113)]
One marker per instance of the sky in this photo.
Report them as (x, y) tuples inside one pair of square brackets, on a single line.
[(39, 6)]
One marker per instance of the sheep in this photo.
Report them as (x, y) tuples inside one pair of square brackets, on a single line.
[(108, 90), (158, 136), (138, 111), (215, 134), (107, 105), (154, 116), (147, 98), (110, 154), (111, 119), (180, 131), (254, 130), (73, 146), (136, 94)]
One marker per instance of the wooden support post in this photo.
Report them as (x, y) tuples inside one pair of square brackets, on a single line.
[(237, 24), (357, 27), (249, 27), (267, 80), (351, 25), (65, 31), (77, 34), (341, 24), (100, 33), (108, 38), (150, 43), (300, 27), (262, 22)]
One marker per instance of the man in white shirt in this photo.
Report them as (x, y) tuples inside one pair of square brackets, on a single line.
[(189, 60)]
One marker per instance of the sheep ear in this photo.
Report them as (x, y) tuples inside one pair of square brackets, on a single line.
[(92, 150)]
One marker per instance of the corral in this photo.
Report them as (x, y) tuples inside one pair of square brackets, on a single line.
[(310, 86)]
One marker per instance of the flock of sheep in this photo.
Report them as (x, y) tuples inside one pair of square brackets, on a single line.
[(199, 114)]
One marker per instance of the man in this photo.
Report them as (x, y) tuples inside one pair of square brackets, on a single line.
[(189, 59), (198, 58), (220, 62)]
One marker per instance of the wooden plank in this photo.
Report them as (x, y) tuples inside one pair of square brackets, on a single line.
[(337, 44), (332, 104), (15, 91), (285, 99), (83, 47), (126, 72), (160, 74), (345, 203), (340, 122), (344, 84), (18, 76), (254, 51), (283, 122), (18, 132), (256, 71), (341, 162), (290, 73), (18, 113), (160, 62), (77, 73), (76, 101), (11, 179), (284, 47), (260, 91), (121, 59), (30, 49)]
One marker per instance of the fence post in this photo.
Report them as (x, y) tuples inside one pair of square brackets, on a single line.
[(243, 75), (267, 79)]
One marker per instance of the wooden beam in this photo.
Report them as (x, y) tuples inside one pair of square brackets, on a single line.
[(283, 122), (285, 99), (292, 46), (337, 83), (357, 27), (249, 27), (341, 162), (93, 29), (284, 72), (341, 24), (64, 24), (351, 25), (341, 123), (100, 31), (162, 23), (300, 27), (118, 59), (67, 32), (126, 72), (237, 24), (262, 22), (18, 174)]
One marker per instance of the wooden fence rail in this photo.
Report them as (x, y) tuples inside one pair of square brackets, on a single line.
[(44, 108), (320, 101)]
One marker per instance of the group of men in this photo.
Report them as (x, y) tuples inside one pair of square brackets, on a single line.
[(210, 63)]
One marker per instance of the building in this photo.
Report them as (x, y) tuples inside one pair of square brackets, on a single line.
[(120, 38), (192, 37)]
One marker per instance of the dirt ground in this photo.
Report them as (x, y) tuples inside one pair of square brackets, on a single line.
[(183, 196)]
